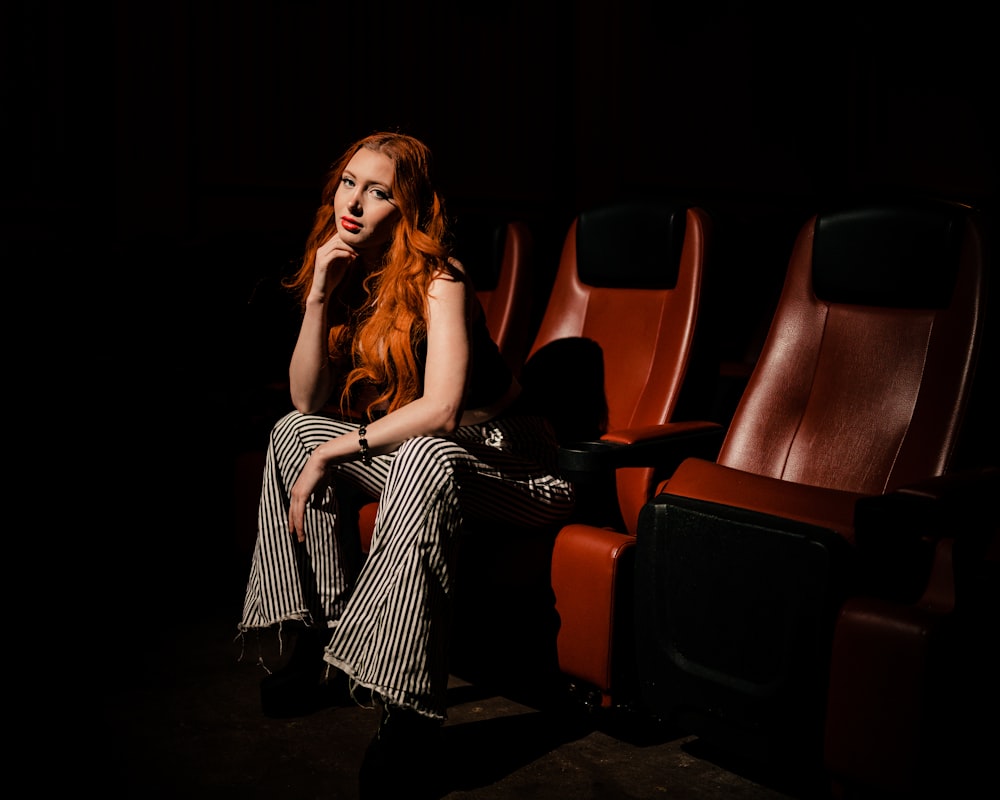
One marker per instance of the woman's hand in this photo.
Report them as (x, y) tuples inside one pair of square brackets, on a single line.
[(312, 477), (332, 261)]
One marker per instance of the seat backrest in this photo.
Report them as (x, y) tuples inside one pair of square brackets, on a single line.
[(868, 363), (615, 341), (498, 253)]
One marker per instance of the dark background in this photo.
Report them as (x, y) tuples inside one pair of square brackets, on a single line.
[(163, 160), (182, 120)]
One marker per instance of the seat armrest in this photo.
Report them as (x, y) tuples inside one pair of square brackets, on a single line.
[(931, 508), (897, 533), (660, 446)]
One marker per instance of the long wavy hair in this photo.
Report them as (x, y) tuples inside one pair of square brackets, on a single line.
[(380, 318)]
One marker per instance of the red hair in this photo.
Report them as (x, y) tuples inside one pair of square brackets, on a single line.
[(382, 316)]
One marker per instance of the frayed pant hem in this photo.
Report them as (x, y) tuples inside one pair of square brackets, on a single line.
[(387, 695)]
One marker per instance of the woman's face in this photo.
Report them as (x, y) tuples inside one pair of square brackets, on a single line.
[(365, 208)]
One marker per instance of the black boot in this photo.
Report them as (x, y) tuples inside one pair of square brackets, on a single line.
[(404, 757), (300, 687)]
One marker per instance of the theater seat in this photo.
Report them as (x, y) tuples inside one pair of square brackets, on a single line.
[(620, 351), (797, 595)]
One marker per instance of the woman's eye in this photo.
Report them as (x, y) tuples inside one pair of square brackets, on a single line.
[(380, 194), (347, 182)]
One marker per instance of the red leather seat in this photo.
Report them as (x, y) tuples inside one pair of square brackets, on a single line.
[(630, 281), (793, 594)]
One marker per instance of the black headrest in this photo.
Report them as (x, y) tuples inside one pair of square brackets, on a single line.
[(897, 256), (632, 245), (479, 241)]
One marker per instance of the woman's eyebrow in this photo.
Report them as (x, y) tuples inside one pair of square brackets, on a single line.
[(348, 174)]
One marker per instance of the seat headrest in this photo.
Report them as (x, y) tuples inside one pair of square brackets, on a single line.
[(631, 245), (896, 256)]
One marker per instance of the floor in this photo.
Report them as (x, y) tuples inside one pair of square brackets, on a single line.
[(186, 722), (198, 732)]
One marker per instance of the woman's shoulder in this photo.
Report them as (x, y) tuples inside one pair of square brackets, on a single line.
[(452, 271)]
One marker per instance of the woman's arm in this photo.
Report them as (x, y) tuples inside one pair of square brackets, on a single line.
[(309, 374)]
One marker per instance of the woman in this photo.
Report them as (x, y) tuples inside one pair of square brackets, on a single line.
[(430, 422)]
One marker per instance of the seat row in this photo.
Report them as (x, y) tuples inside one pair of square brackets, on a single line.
[(811, 583)]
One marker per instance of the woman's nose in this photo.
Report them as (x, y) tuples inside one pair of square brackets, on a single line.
[(354, 202)]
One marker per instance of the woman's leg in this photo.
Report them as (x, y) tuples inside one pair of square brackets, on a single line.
[(309, 581), (393, 634), (302, 584)]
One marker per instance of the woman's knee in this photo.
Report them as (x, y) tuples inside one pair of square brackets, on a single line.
[(305, 430), (428, 452), (287, 423)]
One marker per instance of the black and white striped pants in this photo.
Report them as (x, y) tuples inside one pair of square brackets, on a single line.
[(390, 622)]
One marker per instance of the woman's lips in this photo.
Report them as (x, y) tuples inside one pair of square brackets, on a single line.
[(350, 225)]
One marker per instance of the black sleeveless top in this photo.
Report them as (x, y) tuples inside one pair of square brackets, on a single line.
[(489, 374)]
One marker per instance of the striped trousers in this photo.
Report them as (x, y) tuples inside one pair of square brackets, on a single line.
[(389, 619)]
